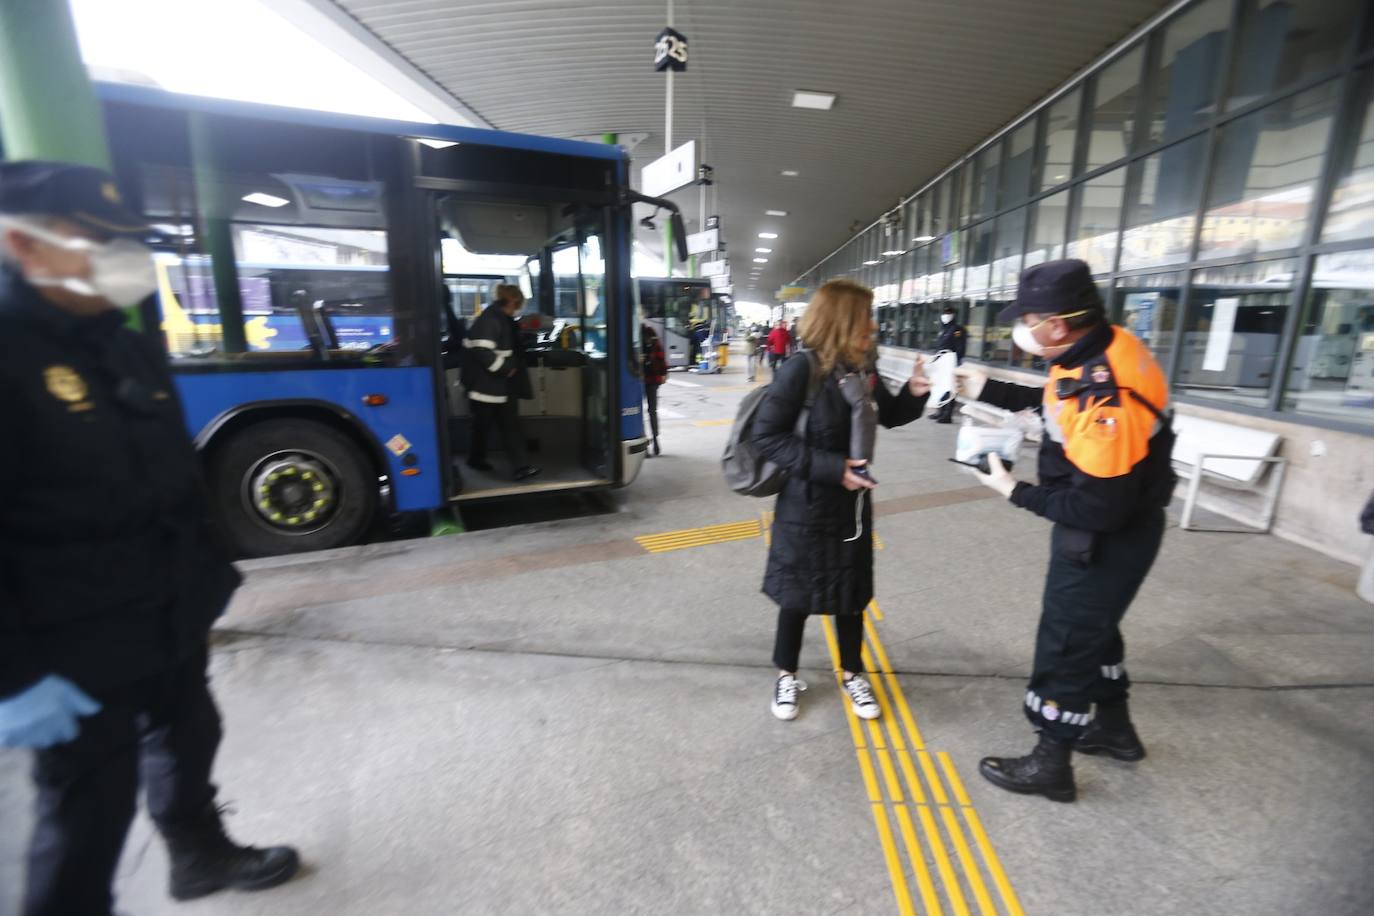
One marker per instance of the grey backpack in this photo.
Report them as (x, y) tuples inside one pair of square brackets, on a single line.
[(746, 470)]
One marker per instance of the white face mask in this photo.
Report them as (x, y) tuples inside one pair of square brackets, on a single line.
[(1023, 338), (946, 319), (122, 271), (1025, 341)]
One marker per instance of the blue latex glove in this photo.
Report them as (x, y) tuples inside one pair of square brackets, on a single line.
[(45, 714)]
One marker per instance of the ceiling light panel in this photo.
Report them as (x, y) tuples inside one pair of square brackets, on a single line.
[(819, 101)]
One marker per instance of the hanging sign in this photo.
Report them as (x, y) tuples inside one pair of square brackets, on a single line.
[(702, 242), (721, 285), (719, 268), (670, 172), (670, 51)]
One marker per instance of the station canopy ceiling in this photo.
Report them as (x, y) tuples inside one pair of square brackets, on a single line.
[(917, 83)]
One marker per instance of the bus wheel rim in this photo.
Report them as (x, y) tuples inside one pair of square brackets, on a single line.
[(294, 492)]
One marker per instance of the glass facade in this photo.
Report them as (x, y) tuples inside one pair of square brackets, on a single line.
[(1216, 173)]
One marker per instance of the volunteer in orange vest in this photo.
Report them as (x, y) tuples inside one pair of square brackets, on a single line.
[(1105, 478)]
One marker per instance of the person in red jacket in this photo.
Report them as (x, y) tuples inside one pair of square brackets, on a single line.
[(779, 345), (655, 375)]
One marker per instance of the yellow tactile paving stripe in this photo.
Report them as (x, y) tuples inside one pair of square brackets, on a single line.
[(712, 422), (700, 537), (934, 840)]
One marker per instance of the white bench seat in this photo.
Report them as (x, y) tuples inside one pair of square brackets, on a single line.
[(1235, 457)]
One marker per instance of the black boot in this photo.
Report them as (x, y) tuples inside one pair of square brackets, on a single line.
[(1112, 734), (205, 860), (1047, 770)]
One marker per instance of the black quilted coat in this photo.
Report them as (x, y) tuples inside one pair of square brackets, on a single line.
[(811, 569)]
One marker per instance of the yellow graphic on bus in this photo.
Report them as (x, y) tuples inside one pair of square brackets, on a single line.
[(183, 334)]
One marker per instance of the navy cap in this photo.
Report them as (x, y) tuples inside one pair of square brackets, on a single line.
[(1053, 288), (84, 195)]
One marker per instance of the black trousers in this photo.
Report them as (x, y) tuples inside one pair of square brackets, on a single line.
[(166, 729), (503, 417), (1079, 652), (651, 394), (849, 633)]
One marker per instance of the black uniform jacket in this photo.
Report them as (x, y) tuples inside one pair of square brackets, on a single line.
[(811, 566), (494, 363), (1105, 459), (953, 336), (110, 569)]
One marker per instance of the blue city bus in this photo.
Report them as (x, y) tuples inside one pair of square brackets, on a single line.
[(316, 273)]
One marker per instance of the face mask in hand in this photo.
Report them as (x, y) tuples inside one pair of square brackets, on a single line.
[(122, 271)]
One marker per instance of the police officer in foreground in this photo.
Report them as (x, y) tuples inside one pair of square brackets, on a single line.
[(954, 338), (1105, 478), (110, 573)]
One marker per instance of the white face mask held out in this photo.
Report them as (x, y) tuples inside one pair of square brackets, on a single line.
[(122, 271), (946, 319)]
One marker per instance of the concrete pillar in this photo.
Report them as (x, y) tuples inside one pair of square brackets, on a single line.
[(1366, 587)]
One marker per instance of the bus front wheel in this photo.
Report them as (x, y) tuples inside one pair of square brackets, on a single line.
[(289, 486)]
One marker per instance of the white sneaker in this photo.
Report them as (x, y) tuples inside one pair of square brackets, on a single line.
[(785, 696), (861, 697)]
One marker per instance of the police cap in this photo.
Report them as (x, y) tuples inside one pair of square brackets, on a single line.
[(1054, 288), (84, 195)]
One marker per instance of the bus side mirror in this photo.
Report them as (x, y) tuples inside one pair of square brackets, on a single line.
[(679, 237)]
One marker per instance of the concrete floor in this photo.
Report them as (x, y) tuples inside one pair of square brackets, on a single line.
[(552, 719)]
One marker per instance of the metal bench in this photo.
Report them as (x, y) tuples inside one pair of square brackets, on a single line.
[(1234, 457)]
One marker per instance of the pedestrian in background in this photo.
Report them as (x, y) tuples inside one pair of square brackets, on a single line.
[(496, 380), (655, 366), (779, 346), (821, 557), (953, 338), (111, 571)]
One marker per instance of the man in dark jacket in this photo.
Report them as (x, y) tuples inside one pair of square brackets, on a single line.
[(1105, 478), (110, 572), (954, 338), (496, 379)]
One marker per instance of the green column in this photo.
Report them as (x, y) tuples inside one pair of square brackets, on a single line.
[(668, 246), (216, 234), (48, 109)]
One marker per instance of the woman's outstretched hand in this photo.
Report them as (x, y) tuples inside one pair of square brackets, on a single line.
[(919, 383)]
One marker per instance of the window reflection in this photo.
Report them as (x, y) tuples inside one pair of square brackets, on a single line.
[(1114, 107), (1016, 174), (1049, 219), (1332, 374), (1185, 78), (1094, 238), (1162, 214), (1234, 325), (1351, 214), (1061, 134), (1265, 175), (1011, 238), (987, 176), (1281, 42), (1148, 308)]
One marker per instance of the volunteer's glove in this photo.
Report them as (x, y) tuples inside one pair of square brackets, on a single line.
[(999, 479), (44, 714)]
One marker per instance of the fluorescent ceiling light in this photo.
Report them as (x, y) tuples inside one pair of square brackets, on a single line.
[(760, 260), (871, 263), (924, 238), (436, 144), (267, 200), (820, 101), (764, 250), (790, 173), (768, 235), (774, 212), (893, 253)]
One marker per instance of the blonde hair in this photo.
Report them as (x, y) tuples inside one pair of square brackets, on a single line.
[(836, 317), (509, 292)]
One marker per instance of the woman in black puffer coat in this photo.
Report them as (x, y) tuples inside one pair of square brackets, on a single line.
[(816, 564)]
